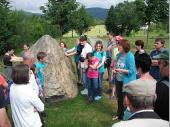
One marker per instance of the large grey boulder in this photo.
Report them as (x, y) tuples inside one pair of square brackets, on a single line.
[(59, 78)]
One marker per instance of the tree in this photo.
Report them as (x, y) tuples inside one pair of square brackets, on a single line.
[(81, 20), (122, 19), (152, 11), (5, 33), (58, 12)]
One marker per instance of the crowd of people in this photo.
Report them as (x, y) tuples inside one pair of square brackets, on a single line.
[(129, 75), (139, 82)]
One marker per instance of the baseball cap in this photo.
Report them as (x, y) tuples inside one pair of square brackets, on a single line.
[(118, 38), (141, 87), (163, 55)]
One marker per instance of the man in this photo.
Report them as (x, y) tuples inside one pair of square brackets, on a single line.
[(140, 97), (111, 52), (4, 121), (154, 71), (162, 86), (87, 49)]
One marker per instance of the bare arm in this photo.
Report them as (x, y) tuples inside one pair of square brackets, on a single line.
[(16, 59)]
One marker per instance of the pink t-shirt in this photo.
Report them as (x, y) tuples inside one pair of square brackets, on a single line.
[(91, 73)]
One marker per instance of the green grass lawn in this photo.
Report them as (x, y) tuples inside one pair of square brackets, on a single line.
[(78, 112)]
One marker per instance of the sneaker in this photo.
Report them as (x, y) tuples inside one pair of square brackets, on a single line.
[(84, 92), (90, 100), (97, 98)]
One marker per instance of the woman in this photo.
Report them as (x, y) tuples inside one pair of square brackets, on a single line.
[(63, 46), (101, 55), (26, 55), (139, 47), (125, 71), (24, 101)]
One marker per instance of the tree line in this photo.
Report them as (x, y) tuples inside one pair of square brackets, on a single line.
[(62, 16), (130, 16), (58, 18)]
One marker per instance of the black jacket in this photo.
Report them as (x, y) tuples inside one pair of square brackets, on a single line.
[(162, 102)]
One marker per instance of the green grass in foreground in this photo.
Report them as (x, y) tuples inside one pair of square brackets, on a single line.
[(78, 113)]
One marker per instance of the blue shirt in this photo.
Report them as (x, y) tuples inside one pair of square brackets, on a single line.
[(76, 56), (100, 55), (154, 70), (40, 72), (130, 66)]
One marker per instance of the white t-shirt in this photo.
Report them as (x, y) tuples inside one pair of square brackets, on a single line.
[(87, 49), (24, 101)]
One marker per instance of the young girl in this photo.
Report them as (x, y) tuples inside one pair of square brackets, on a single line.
[(93, 75), (24, 101), (101, 55), (41, 92)]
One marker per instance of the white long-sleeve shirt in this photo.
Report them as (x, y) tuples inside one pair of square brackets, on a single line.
[(24, 101)]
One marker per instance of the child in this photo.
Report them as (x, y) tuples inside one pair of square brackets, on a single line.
[(33, 68), (41, 94), (93, 75), (113, 79), (41, 65)]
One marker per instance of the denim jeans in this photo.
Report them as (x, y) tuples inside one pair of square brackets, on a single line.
[(84, 77), (100, 83), (93, 85), (100, 79)]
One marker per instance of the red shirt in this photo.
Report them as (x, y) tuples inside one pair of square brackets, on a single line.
[(2, 80), (91, 73)]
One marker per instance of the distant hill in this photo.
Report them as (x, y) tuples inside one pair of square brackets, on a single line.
[(100, 13)]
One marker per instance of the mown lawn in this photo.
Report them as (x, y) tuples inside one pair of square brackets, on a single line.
[(78, 112)]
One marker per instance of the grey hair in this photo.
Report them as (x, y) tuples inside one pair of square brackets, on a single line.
[(142, 102)]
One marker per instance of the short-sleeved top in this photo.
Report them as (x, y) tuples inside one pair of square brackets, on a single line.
[(2, 80), (91, 73), (154, 70), (100, 56), (120, 64), (40, 71), (6, 60), (138, 52), (76, 56), (2, 99)]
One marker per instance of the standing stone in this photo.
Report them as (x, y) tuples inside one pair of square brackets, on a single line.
[(59, 78)]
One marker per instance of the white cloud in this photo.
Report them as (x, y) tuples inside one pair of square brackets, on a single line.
[(34, 5), (28, 5)]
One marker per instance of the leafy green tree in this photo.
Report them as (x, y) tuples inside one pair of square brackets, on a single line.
[(5, 33), (122, 19), (81, 20), (152, 11), (58, 12)]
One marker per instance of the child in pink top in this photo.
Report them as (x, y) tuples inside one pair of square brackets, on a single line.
[(93, 76)]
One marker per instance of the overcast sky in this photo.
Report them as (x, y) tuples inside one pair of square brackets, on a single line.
[(34, 5)]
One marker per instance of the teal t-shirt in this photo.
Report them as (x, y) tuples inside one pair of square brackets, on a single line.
[(120, 64), (40, 72), (100, 55)]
